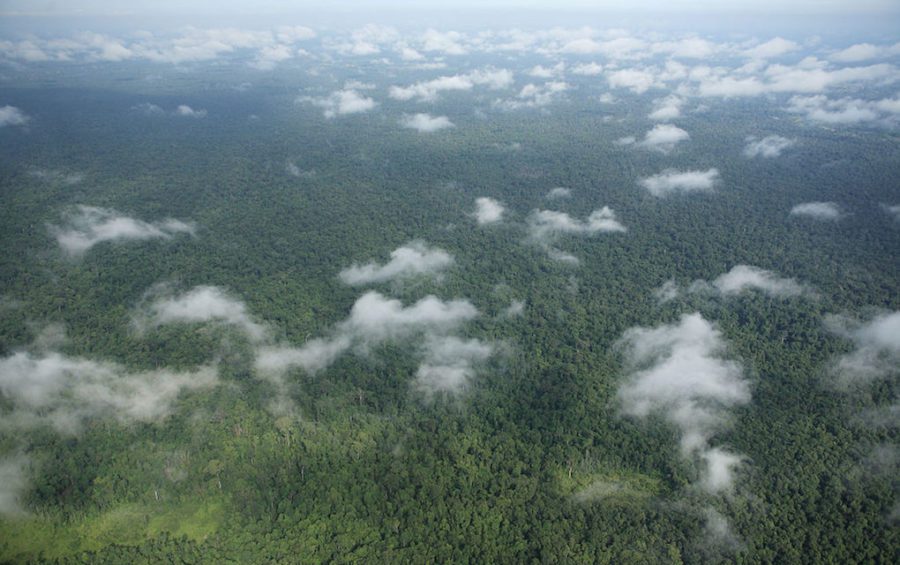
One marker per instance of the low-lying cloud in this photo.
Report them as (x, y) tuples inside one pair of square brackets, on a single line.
[(186, 111), (341, 103), (546, 225), (426, 123), (877, 347), (767, 147), (61, 391), (415, 259), (742, 278), (447, 360), (826, 211), (488, 211), (664, 137), (429, 91), (680, 372), (12, 116), (86, 226), (671, 181), (201, 304)]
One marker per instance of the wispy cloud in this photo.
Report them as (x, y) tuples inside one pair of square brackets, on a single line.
[(877, 347), (680, 372), (447, 360), (201, 304), (742, 278), (428, 91), (488, 210), (559, 192), (60, 391), (672, 181), (87, 226), (845, 111), (827, 211), (667, 108), (864, 52), (534, 96), (12, 116), (13, 481), (426, 123), (186, 111), (545, 225), (414, 259), (767, 147), (770, 49)]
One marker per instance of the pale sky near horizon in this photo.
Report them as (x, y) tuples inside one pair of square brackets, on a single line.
[(219, 7)]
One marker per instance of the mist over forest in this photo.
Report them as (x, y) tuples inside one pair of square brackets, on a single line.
[(408, 285)]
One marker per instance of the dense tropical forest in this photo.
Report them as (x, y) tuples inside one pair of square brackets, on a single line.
[(562, 296)]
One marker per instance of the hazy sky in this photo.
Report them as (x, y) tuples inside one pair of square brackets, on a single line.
[(218, 7)]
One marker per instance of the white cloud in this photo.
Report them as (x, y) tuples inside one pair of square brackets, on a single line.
[(768, 147), (877, 351), (627, 140), (200, 304), (667, 292), (838, 112), (679, 371), (818, 210), (426, 123), (546, 225), (671, 180), (428, 91), (534, 96), (188, 112), (540, 71), (449, 42), (559, 192), (587, 69), (745, 277), (447, 361), (488, 211), (516, 308), (664, 137), (667, 108), (60, 391), (773, 48), (341, 103), (638, 81), (12, 116), (864, 52), (57, 176), (86, 226), (414, 259)]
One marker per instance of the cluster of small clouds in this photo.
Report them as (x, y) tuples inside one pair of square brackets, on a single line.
[(545, 227), (341, 103), (429, 91), (672, 181), (415, 259), (191, 46), (534, 96), (12, 116), (845, 111), (447, 361), (182, 111), (680, 372), (823, 211), (86, 226)]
